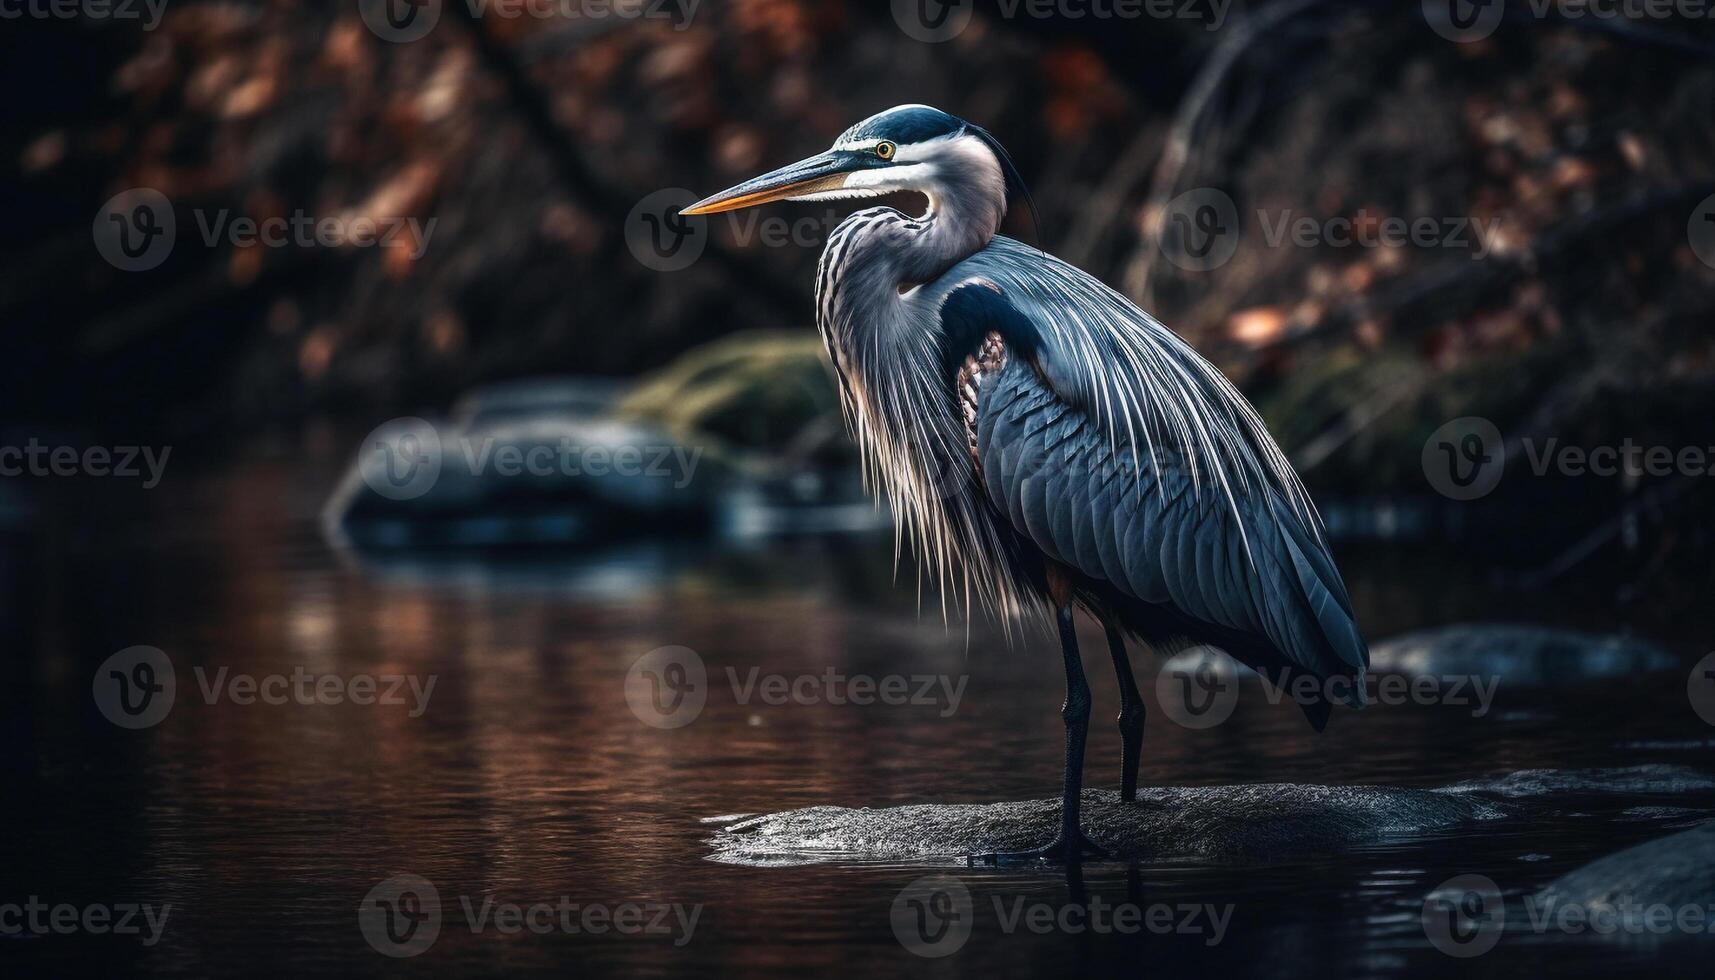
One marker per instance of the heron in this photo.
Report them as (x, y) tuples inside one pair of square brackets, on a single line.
[(1044, 444)]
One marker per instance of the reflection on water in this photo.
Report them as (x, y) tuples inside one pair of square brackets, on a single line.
[(529, 778)]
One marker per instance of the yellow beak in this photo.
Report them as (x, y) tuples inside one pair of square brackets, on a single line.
[(822, 172)]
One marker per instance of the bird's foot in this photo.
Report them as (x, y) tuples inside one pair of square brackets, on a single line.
[(1069, 849)]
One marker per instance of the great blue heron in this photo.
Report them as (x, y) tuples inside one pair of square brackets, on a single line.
[(1044, 442)]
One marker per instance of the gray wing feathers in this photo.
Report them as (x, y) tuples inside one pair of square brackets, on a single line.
[(1132, 520)]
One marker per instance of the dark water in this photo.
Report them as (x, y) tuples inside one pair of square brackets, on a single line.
[(529, 779)]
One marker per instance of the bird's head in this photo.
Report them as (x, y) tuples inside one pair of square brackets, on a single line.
[(907, 148)]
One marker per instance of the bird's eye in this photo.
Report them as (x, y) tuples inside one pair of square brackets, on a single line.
[(886, 150)]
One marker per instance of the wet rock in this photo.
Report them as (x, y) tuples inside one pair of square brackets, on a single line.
[(1624, 781), (1676, 871), (1211, 822), (742, 436), (524, 463), (761, 399), (1522, 655), (1669, 745)]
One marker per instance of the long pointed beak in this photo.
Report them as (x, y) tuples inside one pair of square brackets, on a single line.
[(822, 172)]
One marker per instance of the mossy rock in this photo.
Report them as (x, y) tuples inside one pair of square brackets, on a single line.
[(758, 392)]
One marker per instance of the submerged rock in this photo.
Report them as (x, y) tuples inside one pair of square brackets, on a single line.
[(741, 437), (1249, 822), (1221, 822), (1522, 655), (1623, 781), (529, 462), (1676, 872)]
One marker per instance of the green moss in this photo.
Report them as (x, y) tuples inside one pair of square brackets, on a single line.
[(760, 391)]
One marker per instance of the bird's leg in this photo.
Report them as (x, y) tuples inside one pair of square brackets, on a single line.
[(1071, 845), (1131, 715), (1076, 712)]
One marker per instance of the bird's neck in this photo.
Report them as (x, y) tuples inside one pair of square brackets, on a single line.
[(879, 314), (966, 203), (934, 243), (869, 305), (881, 322)]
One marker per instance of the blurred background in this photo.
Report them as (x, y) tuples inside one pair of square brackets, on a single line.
[(475, 242)]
